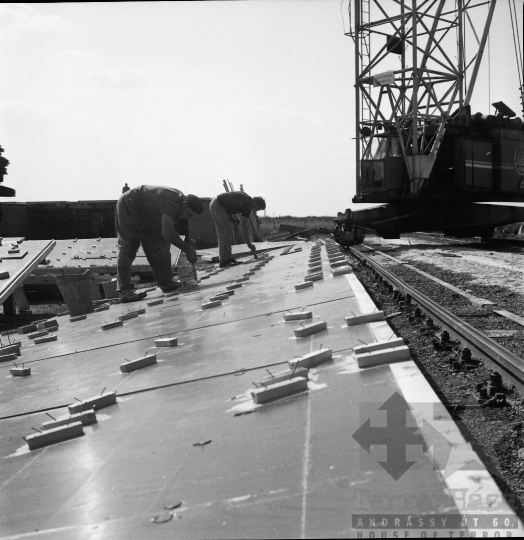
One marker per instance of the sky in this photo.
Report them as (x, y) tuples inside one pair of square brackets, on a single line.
[(186, 94)]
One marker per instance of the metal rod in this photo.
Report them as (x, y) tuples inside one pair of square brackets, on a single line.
[(482, 45)]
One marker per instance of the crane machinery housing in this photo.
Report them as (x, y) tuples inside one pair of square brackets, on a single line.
[(420, 150)]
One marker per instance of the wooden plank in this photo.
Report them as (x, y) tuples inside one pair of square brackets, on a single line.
[(509, 315)]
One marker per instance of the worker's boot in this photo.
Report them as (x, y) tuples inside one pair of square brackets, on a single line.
[(172, 287), (130, 296)]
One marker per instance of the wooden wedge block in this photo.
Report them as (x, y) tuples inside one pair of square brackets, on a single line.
[(314, 277), (384, 356), (303, 285), (51, 436), (108, 326), (379, 345), (140, 311), (8, 357), (78, 318), (365, 318), (27, 329), (312, 359), (96, 403), (8, 349), (212, 304), (241, 279), (285, 375), (47, 324), (20, 371), (233, 286), (86, 417), (39, 334), (278, 390), (155, 302), (336, 264), (4, 275), (250, 273), (129, 315), (314, 265), (166, 342), (298, 315), (101, 308), (45, 339), (219, 297), (52, 329), (312, 328), (172, 293), (139, 363), (341, 271)]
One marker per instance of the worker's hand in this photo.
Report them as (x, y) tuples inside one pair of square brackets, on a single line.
[(191, 255)]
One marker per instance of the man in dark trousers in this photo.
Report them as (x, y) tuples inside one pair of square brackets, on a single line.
[(222, 209), (146, 215)]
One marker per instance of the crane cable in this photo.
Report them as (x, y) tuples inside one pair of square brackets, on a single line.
[(489, 65), (515, 42), (516, 26), (489, 73)]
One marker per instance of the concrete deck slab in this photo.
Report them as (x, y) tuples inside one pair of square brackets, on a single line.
[(15, 269), (100, 255)]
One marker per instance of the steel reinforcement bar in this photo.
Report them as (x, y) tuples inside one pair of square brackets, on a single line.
[(510, 365)]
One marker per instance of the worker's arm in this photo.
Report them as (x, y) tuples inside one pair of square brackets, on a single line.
[(244, 221), (171, 236)]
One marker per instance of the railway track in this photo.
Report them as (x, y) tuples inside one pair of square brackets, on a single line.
[(510, 366)]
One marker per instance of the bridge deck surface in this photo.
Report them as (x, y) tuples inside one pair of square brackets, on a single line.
[(295, 467)]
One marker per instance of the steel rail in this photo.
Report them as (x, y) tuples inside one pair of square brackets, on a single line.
[(511, 365)]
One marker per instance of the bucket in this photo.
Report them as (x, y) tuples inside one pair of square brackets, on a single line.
[(76, 289), (110, 288)]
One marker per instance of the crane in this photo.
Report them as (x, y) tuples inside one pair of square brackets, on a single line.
[(420, 150)]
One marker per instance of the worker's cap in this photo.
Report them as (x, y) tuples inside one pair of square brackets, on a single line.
[(260, 202), (195, 204)]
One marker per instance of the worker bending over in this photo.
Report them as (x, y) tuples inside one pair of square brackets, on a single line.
[(146, 215), (222, 209)]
